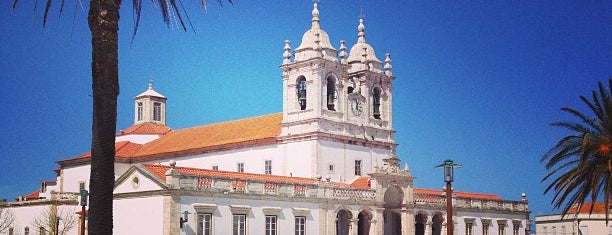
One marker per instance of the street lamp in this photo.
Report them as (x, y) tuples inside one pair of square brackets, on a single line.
[(57, 219), (185, 218), (84, 195), (448, 166)]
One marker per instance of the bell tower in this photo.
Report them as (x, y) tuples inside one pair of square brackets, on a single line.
[(337, 93), (336, 107), (150, 107)]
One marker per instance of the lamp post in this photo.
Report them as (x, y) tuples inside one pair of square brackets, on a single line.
[(184, 218), (84, 195), (448, 166), (57, 219)]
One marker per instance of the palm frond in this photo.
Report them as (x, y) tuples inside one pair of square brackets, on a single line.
[(580, 164), (47, 7)]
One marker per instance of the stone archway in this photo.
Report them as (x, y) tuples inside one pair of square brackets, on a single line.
[(343, 222), (420, 222), (393, 197), (436, 226), (363, 223)]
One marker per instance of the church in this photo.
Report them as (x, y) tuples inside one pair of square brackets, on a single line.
[(325, 165)]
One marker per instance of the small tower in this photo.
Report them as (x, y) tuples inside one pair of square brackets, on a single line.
[(150, 107)]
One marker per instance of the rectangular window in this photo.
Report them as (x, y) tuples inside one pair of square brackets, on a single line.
[(270, 225), (239, 225), (156, 111), (357, 167), (331, 168), (204, 224), (215, 168), (240, 167), (81, 185), (268, 167), (517, 227), (300, 225), (139, 112), (485, 229), (468, 229), (501, 229)]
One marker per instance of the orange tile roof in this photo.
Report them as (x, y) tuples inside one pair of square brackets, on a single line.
[(32, 196), (226, 134), (598, 208), (123, 149), (146, 128), (160, 172), (361, 182), (481, 196)]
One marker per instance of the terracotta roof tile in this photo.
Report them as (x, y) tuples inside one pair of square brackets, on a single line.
[(160, 172), (598, 208), (123, 149), (481, 196), (243, 131), (361, 182), (146, 128), (32, 196)]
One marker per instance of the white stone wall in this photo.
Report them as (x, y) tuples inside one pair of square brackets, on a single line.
[(343, 156), (25, 216), (588, 224), (73, 175), (222, 216), (143, 215)]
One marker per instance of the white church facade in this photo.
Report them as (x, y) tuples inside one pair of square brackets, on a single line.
[(325, 165)]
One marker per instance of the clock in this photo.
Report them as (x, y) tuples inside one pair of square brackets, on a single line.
[(356, 107)]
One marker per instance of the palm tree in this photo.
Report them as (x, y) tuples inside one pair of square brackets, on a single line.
[(580, 164), (103, 19)]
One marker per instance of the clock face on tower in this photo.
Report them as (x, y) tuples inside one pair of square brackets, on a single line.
[(356, 107)]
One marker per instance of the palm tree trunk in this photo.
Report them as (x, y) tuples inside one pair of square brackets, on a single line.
[(103, 23)]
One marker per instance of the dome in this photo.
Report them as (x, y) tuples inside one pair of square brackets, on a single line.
[(315, 42), (362, 54)]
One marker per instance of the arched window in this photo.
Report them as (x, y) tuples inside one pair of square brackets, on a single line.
[(301, 91), (331, 93), (376, 103), (26, 231)]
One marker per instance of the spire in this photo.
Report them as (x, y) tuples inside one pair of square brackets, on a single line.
[(361, 34), (287, 53), (388, 65), (343, 55), (315, 16)]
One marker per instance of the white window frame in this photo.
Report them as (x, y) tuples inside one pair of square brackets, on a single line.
[(300, 225), (157, 112), (268, 167), (205, 223), (271, 225), (240, 167), (239, 224), (139, 111), (358, 166)]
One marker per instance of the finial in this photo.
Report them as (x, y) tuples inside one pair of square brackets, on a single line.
[(150, 84), (173, 164), (287, 53), (315, 16), (343, 59), (388, 65), (361, 34)]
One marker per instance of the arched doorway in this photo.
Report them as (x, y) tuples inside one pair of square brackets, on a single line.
[(343, 222), (436, 226), (420, 222), (363, 224), (392, 216)]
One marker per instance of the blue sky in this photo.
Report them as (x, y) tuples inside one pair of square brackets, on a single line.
[(476, 81)]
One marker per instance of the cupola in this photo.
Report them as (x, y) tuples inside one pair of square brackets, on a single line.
[(362, 55), (315, 42), (150, 107)]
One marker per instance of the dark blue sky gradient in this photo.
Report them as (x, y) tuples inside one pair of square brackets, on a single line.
[(476, 81)]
